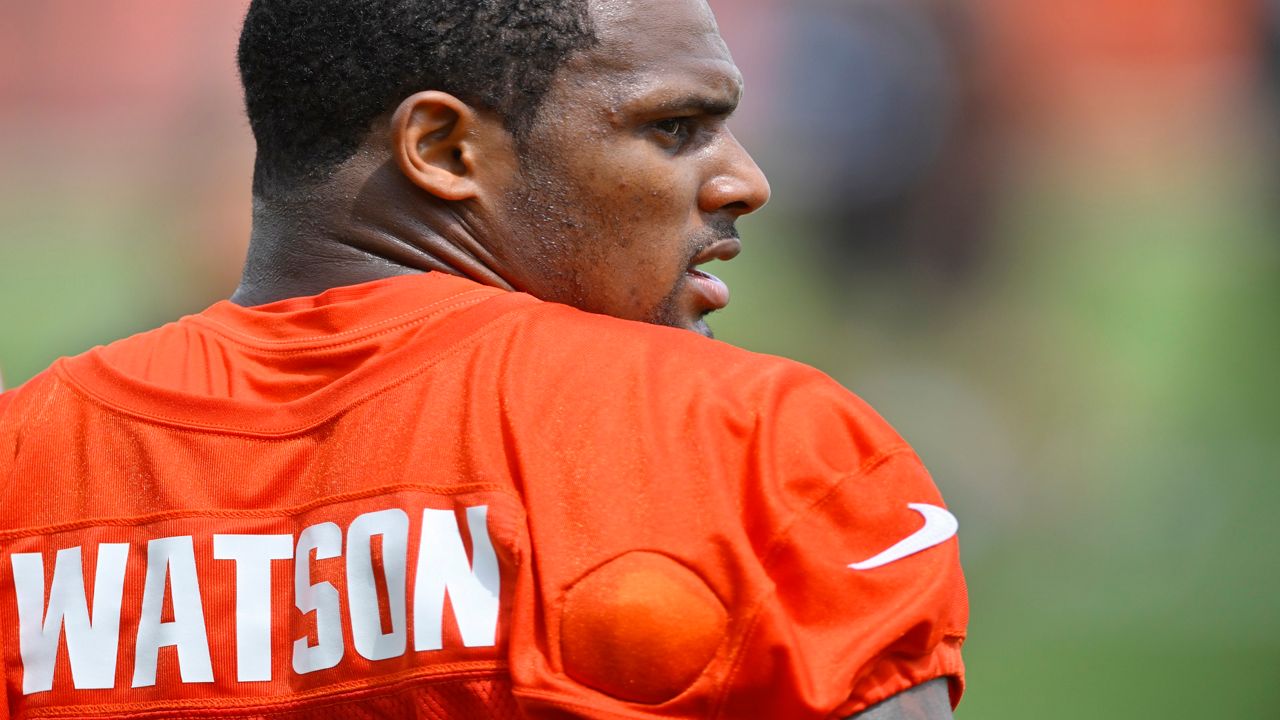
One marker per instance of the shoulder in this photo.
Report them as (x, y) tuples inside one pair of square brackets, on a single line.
[(44, 400), (735, 489), (17, 403), (602, 351), (690, 389), (32, 405)]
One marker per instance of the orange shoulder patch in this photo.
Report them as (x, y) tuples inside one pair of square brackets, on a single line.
[(641, 627)]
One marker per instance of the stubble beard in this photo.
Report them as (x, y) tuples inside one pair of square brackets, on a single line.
[(553, 224), (544, 229), (668, 311), (560, 235)]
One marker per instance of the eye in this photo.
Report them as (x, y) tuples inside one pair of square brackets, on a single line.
[(673, 130), (670, 126)]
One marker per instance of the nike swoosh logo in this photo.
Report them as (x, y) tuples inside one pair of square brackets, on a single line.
[(939, 526)]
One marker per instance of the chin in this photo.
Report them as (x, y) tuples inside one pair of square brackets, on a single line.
[(701, 327), (695, 325), (671, 315)]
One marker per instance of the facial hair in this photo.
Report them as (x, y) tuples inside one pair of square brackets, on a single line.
[(559, 232), (668, 311)]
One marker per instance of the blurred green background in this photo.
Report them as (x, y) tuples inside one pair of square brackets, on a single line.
[(1040, 236)]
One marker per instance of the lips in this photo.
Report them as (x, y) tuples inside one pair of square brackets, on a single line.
[(710, 290)]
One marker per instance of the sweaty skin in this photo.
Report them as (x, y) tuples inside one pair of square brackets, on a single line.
[(627, 183), (636, 173)]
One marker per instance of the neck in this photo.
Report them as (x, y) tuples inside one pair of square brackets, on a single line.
[(350, 232)]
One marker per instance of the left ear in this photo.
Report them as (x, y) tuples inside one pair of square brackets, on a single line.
[(434, 141)]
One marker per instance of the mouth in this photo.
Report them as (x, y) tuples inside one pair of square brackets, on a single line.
[(711, 292)]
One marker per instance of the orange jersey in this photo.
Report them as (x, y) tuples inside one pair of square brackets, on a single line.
[(421, 496)]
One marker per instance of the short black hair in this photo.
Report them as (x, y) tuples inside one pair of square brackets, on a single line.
[(317, 73)]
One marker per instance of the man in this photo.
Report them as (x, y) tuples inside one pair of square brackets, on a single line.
[(378, 482)]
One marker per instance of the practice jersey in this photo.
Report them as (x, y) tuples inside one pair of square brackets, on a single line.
[(425, 497)]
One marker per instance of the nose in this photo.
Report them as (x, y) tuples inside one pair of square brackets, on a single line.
[(737, 185)]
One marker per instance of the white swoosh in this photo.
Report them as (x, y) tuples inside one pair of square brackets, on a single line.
[(939, 526)]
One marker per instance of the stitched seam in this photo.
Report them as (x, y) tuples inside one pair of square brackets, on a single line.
[(332, 346), (902, 683), (555, 698), (735, 659), (867, 467), (245, 339), (329, 347), (285, 434), (385, 685), (249, 514)]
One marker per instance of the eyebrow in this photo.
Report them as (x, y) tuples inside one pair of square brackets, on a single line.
[(695, 102)]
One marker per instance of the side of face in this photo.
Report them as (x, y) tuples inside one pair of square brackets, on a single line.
[(630, 177)]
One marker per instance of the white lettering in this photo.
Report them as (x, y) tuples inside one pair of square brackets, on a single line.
[(443, 568), (322, 599), (171, 561), (253, 555), (92, 646), (452, 576), (362, 591)]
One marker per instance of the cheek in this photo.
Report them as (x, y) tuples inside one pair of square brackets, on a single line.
[(646, 215), (651, 241), (660, 208), (634, 198), (633, 238)]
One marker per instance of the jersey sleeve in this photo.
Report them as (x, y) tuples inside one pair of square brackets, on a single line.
[(758, 543), (863, 595), (867, 599)]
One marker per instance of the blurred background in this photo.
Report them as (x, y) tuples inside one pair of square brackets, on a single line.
[(1042, 237)]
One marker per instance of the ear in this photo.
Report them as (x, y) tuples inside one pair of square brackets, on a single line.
[(433, 140)]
